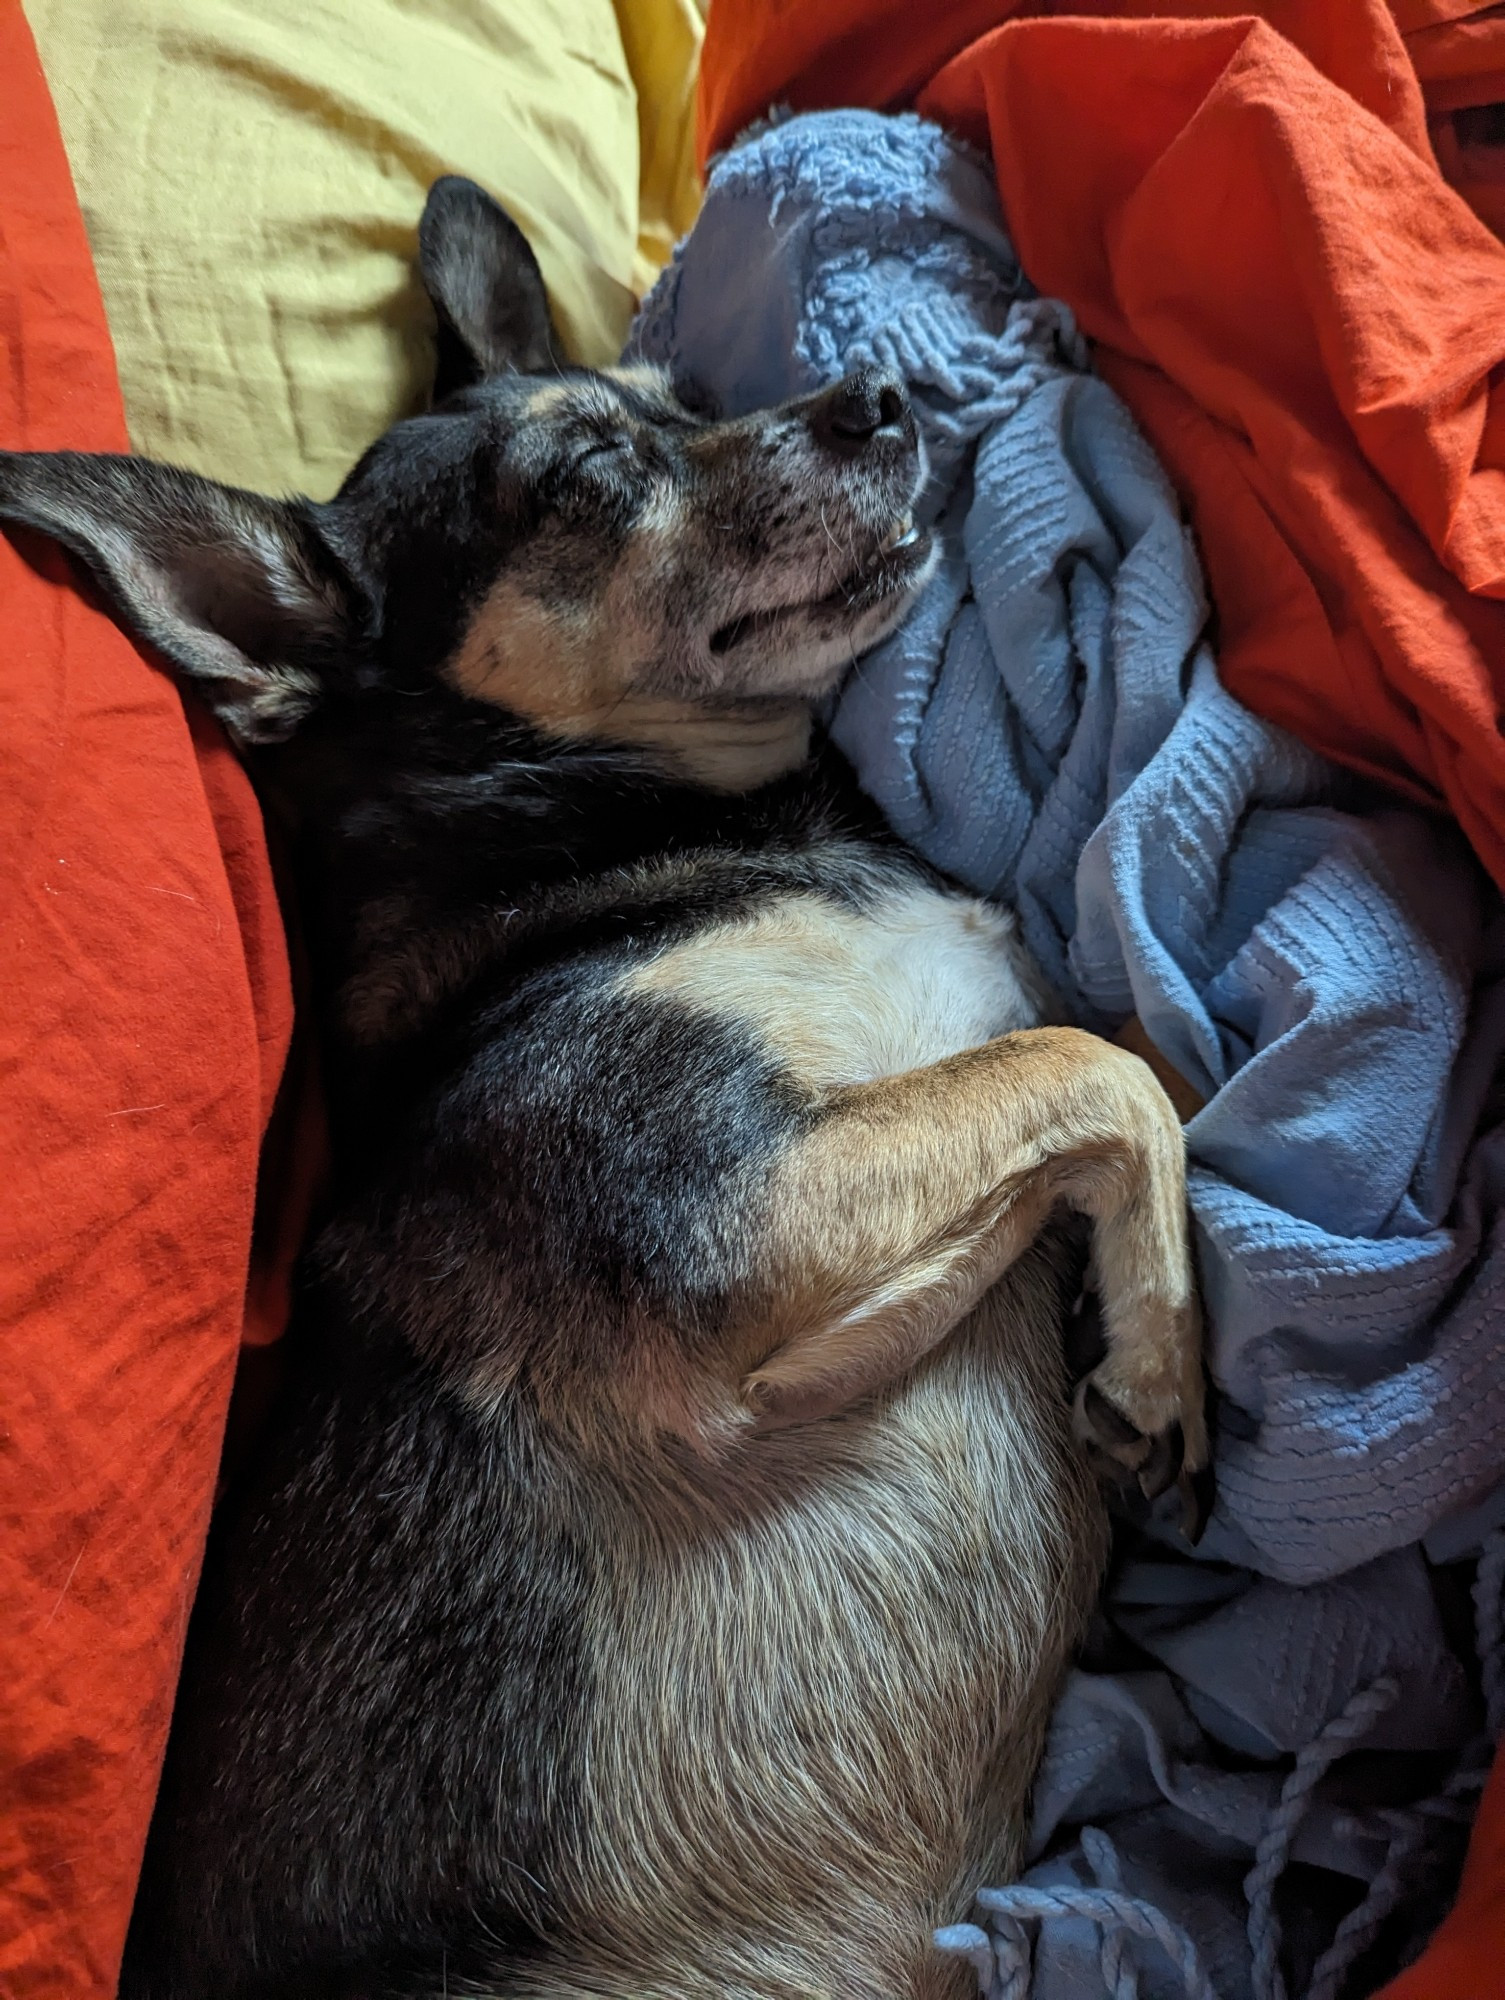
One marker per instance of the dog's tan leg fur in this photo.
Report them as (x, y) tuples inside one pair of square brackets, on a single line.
[(912, 1194)]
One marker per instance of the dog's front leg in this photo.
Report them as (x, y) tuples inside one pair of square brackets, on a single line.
[(906, 1198)]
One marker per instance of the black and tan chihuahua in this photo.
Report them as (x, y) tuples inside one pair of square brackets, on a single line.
[(657, 1587)]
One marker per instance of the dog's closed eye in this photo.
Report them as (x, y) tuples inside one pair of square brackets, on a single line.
[(600, 445)]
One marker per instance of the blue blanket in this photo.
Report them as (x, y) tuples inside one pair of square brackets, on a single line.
[(1327, 968)]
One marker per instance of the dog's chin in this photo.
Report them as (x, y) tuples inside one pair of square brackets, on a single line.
[(803, 649)]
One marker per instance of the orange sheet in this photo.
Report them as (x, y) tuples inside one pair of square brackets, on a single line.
[(1457, 48), (144, 1024), (1466, 1958), (1248, 219)]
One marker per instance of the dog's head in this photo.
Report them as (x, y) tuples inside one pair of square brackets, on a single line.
[(578, 548)]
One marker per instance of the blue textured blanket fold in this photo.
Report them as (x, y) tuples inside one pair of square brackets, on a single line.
[(1327, 969)]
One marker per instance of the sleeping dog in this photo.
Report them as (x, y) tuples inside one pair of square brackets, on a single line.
[(658, 1583)]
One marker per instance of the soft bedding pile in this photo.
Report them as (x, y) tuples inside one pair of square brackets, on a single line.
[(1248, 218), (1324, 966)]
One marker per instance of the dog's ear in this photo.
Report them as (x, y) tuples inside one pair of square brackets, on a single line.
[(242, 594), (487, 289)]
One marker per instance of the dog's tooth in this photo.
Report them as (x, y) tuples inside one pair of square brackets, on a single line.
[(901, 534)]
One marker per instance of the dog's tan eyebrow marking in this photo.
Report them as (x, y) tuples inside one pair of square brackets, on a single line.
[(644, 376), (552, 399), (647, 383), (605, 393)]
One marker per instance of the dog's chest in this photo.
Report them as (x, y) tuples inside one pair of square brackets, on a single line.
[(843, 995)]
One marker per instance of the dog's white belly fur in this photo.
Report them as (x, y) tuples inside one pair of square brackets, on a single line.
[(845, 995)]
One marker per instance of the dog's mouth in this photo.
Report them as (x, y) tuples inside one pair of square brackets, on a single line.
[(893, 567), (903, 535)]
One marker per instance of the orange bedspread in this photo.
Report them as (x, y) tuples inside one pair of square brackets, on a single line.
[(1248, 218), (142, 1033)]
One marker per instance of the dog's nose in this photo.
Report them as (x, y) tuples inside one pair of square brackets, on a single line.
[(860, 408)]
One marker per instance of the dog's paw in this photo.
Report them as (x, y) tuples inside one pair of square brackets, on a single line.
[(1150, 1432)]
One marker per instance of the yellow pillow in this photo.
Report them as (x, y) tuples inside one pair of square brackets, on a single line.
[(251, 173)]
